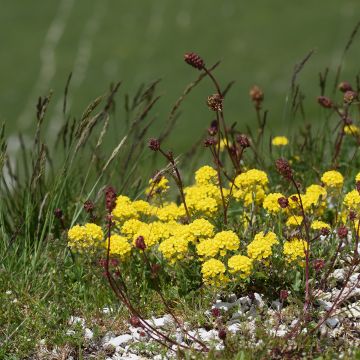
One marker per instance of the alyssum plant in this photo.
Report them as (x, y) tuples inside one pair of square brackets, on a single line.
[(236, 228)]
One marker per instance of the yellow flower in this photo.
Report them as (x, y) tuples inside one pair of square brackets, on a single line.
[(124, 209), (158, 185), (351, 130), (131, 227), (88, 236), (271, 203), (352, 200), (250, 178), (332, 179), (213, 272), (261, 246), (119, 245), (206, 175), (168, 212), (280, 141), (227, 240), (318, 225), (294, 249), (357, 177), (294, 221), (174, 248), (240, 264), (201, 228)]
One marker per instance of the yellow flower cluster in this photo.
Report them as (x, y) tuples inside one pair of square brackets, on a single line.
[(352, 130), (357, 177), (261, 246), (314, 197), (85, 237), (294, 249), (119, 245), (294, 221), (157, 186), (213, 271), (352, 200), (279, 141), (221, 243), (241, 265), (206, 175), (271, 203), (204, 197), (250, 186), (332, 179), (174, 248), (318, 225)]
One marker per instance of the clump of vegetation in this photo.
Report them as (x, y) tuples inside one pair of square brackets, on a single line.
[(276, 222)]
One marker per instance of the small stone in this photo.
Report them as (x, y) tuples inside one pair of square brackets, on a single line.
[(276, 305), (338, 275), (234, 328), (222, 305), (119, 340), (88, 334), (258, 301), (332, 322), (326, 305)]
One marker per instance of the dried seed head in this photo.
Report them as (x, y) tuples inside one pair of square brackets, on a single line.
[(284, 294), (350, 96), (154, 144), (283, 202), (110, 199), (342, 232), (89, 206), (243, 141), (352, 215), (58, 213), (213, 129), (344, 86), (215, 102), (194, 60), (294, 198), (256, 94), (318, 264), (325, 102), (215, 312), (222, 334), (324, 231), (135, 321), (140, 243), (209, 142), (283, 167)]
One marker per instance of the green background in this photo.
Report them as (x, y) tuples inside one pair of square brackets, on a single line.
[(103, 41)]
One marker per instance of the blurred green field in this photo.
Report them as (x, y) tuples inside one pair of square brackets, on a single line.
[(138, 41)]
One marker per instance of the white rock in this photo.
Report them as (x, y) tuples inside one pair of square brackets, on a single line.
[(326, 305), (162, 321), (234, 328), (76, 320), (276, 305), (119, 340), (258, 301), (70, 332), (107, 310), (232, 298), (222, 305), (208, 336), (88, 334), (355, 279), (352, 311), (338, 274), (332, 322)]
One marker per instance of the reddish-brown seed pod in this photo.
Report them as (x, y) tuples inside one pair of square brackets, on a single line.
[(194, 60)]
